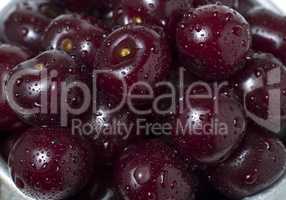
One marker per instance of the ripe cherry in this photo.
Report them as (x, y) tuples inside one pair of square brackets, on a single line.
[(152, 170), (43, 87), (25, 27), (257, 164), (75, 36), (129, 55), (208, 130), (214, 40), (51, 163)]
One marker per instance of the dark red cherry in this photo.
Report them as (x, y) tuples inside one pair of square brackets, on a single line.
[(267, 33), (75, 36), (258, 163), (109, 131), (152, 170), (25, 28), (129, 55), (261, 86), (213, 40), (51, 163), (158, 12), (209, 129), (45, 89), (10, 56)]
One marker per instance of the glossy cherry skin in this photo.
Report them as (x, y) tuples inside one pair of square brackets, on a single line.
[(31, 90), (262, 90), (206, 135), (25, 28), (152, 170), (158, 12), (10, 56), (51, 163), (213, 40), (132, 53), (267, 33), (108, 141), (75, 36), (257, 164)]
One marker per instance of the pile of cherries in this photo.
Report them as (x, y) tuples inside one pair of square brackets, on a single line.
[(238, 41)]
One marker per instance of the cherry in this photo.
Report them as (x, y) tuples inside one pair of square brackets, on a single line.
[(261, 90), (50, 163), (109, 132), (25, 28), (41, 88), (10, 56), (152, 170), (267, 33), (257, 164), (214, 39), (159, 12), (132, 54), (208, 130), (75, 36)]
